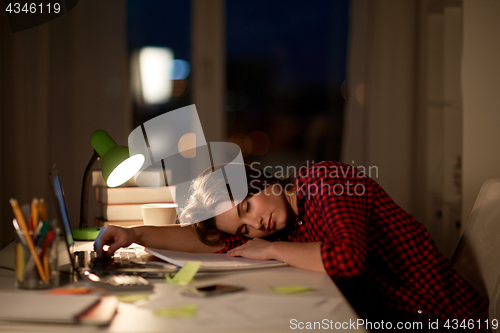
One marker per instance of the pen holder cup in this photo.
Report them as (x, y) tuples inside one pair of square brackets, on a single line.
[(42, 271)]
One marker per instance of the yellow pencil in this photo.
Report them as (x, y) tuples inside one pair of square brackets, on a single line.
[(34, 214), (22, 223), (42, 210), (20, 261)]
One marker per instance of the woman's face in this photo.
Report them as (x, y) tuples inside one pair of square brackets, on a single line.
[(257, 216)]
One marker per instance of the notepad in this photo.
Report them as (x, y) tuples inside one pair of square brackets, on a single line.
[(213, 261), (36, 307)]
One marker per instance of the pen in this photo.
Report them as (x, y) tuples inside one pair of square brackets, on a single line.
[(22, 223), (42, 244), (38, 232), (19, 232)]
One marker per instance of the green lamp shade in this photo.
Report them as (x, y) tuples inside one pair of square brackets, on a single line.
[(85, 234), (118, 165)]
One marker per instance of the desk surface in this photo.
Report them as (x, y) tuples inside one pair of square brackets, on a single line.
[(255, 309)]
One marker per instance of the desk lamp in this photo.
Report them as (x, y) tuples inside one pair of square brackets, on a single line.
[(118, 166)]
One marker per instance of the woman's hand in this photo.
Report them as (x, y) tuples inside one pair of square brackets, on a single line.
[(300, 255), (115, 237), (257, 249)]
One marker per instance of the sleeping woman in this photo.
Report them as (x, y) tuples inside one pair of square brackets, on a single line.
[(330, 218)]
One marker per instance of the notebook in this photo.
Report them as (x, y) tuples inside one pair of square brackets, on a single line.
[(36, 307), (124, 262)]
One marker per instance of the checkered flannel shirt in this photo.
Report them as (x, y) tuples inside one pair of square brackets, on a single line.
[(373, 249)]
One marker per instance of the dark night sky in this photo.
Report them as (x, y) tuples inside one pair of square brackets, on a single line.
[(306, 39)]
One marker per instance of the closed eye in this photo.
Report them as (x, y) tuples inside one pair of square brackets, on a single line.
[(248, 206)]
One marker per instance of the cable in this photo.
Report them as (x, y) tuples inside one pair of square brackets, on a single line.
[(8, 268)]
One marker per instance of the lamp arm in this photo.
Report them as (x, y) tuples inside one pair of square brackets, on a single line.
[(84, 203)]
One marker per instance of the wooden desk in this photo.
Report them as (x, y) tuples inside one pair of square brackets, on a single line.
[(257, 309)]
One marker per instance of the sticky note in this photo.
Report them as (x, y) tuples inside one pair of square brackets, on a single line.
[(185, 274), (71, 291), (186, 311), (287, 290), (132, 298)]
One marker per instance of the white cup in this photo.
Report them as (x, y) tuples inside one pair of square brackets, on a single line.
[(159, 213)]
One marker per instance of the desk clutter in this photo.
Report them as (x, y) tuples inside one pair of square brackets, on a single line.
[(270, 299), (269, 295), (36, 246), (122, 205)]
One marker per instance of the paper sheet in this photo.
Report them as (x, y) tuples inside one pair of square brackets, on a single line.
[(212, 261), (245, 310)]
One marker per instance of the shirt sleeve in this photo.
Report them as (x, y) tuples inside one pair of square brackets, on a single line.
[(341, 198)]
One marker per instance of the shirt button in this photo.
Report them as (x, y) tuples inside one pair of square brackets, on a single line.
[(300, 222)]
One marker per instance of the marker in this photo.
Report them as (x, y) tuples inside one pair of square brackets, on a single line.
[(48, 240)]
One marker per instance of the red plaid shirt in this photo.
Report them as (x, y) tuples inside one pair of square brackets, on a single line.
[(376, 252)]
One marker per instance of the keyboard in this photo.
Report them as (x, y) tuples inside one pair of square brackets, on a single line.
[(119, 282), (84, 260), (124, 258)]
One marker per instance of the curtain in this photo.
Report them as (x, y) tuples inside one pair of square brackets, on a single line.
[(379, 128), (59, 82)]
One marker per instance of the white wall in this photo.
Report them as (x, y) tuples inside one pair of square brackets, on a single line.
[(481, 97)]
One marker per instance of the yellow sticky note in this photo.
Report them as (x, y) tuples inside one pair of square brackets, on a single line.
[(185, 274), (132, 298), (186, 311), (287, 290)]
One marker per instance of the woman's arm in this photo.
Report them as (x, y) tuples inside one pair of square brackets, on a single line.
[(301, 255), (172, 237)]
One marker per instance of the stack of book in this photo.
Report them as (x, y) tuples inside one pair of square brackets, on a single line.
[(122, 205)]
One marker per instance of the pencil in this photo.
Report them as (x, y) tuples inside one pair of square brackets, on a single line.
[(20, 261), (42, 210), (34, 214), (22, 223)]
